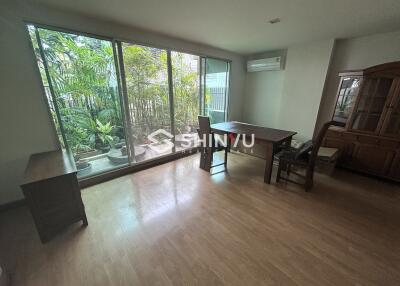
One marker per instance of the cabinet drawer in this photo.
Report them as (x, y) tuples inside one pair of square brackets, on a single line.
[(376, 141), (373, 141), (349, 137), (389, 144), (49, 194), (370, 159), (60, 217)]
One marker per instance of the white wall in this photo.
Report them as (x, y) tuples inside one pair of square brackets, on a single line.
[(25, 125), (289, 99), (356, 53), (263, 93), (305, 75), (263, 98), (24, 117)]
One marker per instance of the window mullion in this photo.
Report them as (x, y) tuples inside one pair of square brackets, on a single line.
[(171, 98), (125, 104)]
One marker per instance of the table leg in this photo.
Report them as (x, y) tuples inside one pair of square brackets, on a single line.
[(288, 143), (269, 163)]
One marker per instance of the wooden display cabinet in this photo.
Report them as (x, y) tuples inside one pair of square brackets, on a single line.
[(368, 105)]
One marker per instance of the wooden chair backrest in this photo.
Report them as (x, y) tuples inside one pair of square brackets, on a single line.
[(204, 131), (204, 125), (317, 141)]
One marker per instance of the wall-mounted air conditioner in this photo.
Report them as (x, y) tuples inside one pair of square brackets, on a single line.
[(269, 64)]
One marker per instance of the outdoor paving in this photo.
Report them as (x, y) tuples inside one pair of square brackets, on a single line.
[(103, 164)]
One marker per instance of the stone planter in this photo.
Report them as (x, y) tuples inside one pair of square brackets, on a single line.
[(104, 149), (84, 167), (88, 154), (117, 156), (120, 156), (119, 145)]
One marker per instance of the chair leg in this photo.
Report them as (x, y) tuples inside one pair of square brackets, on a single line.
[(288, 169), (278, 175), (309, 180), (208, 159)]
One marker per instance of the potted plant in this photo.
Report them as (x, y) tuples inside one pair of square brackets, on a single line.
[(104, 131), (82, 164)]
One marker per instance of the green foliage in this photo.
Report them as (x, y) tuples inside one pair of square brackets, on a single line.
[(83, 75), (147, 87), (186, 92), (104, 132)]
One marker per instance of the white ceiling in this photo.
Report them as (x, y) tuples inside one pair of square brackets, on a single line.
[(242, 26)]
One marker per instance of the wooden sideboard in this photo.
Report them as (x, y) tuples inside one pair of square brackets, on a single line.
[(52, 192), (373, 155), (368, 106)]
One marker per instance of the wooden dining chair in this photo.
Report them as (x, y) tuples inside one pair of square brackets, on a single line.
[(209, 146), (304, 158)]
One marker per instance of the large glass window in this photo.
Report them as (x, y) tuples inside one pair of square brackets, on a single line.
[(80, 80), (116, 103)]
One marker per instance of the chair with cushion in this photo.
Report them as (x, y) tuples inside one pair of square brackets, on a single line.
[(210, 145), (302, 158)]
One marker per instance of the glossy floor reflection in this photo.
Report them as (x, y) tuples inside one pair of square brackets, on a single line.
[(178, 225)]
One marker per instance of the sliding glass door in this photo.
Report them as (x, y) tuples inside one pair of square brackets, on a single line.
[(186, 94), (116, 103), (148, 109), (215, 87), (80, 81)]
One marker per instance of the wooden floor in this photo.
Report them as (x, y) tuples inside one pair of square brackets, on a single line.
[(177, 225)]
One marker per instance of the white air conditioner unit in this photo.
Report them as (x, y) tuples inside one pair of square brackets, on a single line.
[(269, 64)]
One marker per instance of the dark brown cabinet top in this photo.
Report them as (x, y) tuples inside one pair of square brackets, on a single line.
[(42, 166), (260, 133)]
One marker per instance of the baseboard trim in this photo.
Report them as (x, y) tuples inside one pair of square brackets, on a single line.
[(94, 180), (12, 205)]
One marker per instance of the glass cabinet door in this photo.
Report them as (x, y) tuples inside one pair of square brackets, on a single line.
[(392, 122), (346, 98), (373, 97)]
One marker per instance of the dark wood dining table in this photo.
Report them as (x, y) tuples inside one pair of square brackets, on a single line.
[(271, 138)]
